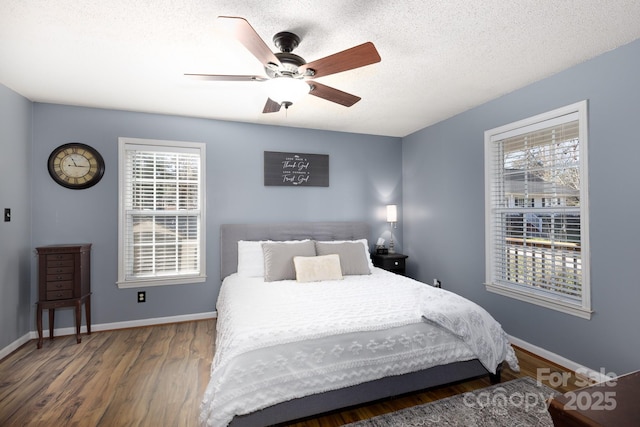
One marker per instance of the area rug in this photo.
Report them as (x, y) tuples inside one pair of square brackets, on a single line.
[(516, 403)]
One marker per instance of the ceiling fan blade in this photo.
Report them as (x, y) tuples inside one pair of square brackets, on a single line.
[(358, 56), (271, 106), (333, 95), (245, 34), (226, 78)]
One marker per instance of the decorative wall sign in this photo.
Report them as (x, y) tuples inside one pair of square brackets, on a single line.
[(296, 169)]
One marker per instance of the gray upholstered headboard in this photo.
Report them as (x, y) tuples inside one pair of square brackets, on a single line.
[(230, 234)]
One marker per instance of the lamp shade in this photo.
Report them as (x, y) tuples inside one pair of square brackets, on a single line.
[(286, 89), (392, 213)]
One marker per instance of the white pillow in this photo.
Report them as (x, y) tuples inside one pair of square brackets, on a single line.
[(251, 257), (317, 268), (365, 247)]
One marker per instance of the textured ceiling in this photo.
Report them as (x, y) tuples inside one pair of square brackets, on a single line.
[(439, 57)]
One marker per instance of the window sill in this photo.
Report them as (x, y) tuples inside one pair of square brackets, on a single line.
[(540, 300), (141, 283)]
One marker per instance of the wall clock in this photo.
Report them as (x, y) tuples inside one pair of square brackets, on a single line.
[(75, 165)]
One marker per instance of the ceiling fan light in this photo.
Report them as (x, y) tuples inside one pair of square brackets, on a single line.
[(286, 89)]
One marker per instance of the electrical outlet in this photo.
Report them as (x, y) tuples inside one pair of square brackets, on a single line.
[(437, 283), (142, 296)]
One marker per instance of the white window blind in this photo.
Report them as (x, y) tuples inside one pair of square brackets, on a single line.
[(161, 225), (536, 198)]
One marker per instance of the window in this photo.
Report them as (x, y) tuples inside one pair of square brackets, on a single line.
[(161, 217), (536, 200)]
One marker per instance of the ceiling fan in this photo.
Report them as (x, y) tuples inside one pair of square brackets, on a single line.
[(288, 75)]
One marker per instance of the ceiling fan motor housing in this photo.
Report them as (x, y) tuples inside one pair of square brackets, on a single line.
[(286, 42), (290, 63)]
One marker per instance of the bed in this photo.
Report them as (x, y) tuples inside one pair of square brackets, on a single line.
[(340, 332)]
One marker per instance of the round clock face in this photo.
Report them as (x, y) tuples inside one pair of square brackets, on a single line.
[(75, 165)]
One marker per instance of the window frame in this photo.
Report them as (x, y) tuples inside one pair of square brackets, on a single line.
[(124, 144), (493, 137)]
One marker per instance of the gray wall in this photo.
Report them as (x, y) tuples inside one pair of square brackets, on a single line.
[(15, 236), (443, 193), (365, 174)]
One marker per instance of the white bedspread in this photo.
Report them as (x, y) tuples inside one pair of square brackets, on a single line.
[(283, 340)]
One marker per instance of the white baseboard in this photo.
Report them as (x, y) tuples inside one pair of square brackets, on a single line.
[(570, 365), (147, 322), (106, 327), (15, 345)]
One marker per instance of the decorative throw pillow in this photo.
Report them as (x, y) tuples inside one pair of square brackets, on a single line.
[(317, 268), (353, 259), (278, 258), (365, 248)]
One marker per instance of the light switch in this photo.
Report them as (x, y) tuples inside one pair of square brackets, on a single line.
[(7, 214)]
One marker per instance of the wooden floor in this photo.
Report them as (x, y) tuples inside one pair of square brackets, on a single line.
[(153, 376)]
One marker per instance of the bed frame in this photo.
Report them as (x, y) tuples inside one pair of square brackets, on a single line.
[(370, 391)]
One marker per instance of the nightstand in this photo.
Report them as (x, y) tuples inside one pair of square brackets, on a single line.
[(394, 263)]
